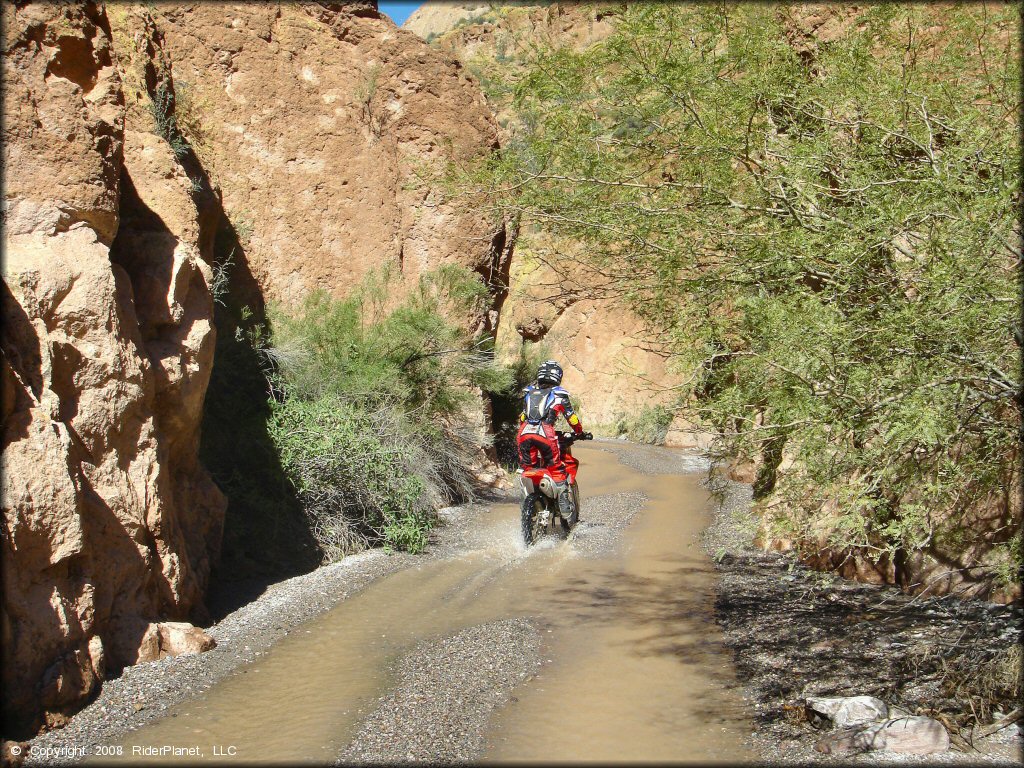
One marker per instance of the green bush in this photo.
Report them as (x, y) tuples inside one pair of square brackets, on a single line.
[(362, 476), (827, 246), (371, 407), (166, 122), (650, 425)]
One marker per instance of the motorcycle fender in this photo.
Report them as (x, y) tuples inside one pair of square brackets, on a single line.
[(526, 485)]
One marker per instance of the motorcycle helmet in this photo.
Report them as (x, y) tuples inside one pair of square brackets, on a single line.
[(549, 374)]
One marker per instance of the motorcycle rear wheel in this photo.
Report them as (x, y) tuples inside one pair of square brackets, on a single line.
[(529, 518)]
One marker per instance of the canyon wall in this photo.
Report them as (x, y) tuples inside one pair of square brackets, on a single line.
[(110, 523), (320, 122), (158, 157)]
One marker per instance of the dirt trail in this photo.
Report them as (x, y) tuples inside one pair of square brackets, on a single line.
[(600, 648)]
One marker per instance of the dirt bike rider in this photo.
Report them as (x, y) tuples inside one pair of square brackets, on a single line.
[(543, 402)]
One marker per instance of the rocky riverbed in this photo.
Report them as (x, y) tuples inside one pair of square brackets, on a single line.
[(797, 633), (475, 670), (266, 614)]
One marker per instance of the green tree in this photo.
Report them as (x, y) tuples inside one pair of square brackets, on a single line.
[(825, 239), (371, 414)]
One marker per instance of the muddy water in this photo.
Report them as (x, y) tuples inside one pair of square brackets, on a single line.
[(636, 668)]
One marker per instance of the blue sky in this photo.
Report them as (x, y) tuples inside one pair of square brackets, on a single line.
[(399, 10)]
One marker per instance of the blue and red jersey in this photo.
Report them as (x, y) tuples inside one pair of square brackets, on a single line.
[(543, 405)]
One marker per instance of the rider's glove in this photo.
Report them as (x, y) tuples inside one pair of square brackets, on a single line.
[(587, 436)]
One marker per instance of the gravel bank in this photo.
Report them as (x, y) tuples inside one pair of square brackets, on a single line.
[(795, 633), (445, 693), (602, 520), (148, 691)]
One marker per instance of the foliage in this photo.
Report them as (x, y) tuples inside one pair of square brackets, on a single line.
[(359, 474), (826, 241), (162, 108), (371, 406), (650, 425), (366, 91), (978, 681)]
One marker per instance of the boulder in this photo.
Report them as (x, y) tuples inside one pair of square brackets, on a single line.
[(149, 645), (849, 710), (850, 740), (915, 735), (172, 638), (179, 638), (13, 753)]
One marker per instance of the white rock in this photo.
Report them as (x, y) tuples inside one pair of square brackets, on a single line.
[(850, 710), (906, 735), (915, 736)]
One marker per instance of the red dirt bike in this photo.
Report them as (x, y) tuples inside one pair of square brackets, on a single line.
[(540, 507)]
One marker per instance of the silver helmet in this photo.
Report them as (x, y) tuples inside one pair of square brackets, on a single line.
[(549, 374)]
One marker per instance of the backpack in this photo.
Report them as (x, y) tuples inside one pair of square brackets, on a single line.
[(538, 402)]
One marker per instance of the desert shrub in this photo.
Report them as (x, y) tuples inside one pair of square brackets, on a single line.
[(165, 120), (650, 425), (972, 681), (361, 475), (372, 407), (265, 531)]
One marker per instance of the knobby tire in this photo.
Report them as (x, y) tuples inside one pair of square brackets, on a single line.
[(529, 518)]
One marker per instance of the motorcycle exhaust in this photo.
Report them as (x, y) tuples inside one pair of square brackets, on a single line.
[(548, 487)]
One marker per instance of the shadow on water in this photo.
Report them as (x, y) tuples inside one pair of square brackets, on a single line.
[(669, 608)]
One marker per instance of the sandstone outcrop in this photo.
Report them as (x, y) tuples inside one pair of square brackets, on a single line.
[(172, 638), (553, 308), (320, 122), (432, 18), (133, 138), (109, 521)]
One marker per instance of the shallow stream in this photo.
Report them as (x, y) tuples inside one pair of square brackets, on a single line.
[(634, 667)]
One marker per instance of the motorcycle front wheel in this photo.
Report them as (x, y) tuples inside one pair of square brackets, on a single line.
[(529, 518), (568, 525)]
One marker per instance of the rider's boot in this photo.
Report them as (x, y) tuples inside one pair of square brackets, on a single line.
[(565, 502)]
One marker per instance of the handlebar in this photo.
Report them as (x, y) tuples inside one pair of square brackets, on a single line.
[(571, 437)]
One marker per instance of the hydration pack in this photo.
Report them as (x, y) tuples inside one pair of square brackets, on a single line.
[(538, 405)]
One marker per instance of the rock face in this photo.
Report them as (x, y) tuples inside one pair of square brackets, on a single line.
[(553, 309), (433, 18), (319, 126), (131, 135), (109, 521), (906, 735), (849, 710)]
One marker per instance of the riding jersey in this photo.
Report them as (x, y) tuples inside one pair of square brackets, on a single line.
[(543, 405)]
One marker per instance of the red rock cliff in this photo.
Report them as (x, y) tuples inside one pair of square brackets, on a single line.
[(109, 521)]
